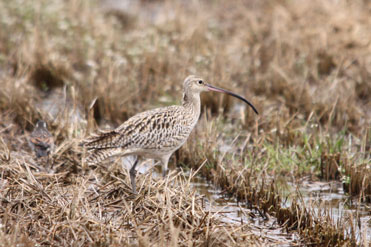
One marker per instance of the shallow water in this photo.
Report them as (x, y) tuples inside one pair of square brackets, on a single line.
[(227, 209), (317, 196), (322, 196), (230, 211)]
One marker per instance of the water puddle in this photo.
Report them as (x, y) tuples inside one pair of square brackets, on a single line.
[(317, 196), (329, 196), (325, 197), (230, 211), (227, 209)]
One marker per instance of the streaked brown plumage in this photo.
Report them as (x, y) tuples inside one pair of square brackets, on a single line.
[(154, 134), (41, 141)]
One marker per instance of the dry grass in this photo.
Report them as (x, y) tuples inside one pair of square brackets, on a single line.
[(98, 208), (68, 205), (306, 65)]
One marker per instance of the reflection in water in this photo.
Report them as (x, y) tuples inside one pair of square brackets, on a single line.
[(319, 196), (230, 211), (324, 197), (227, 209)]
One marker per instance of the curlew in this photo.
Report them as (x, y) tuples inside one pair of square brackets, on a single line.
[(154, 134), (41, 141)]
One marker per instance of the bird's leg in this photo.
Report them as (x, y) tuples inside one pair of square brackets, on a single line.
[(164, 170), (133, 173), (165, 161)]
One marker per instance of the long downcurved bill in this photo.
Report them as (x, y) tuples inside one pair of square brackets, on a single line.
[(220, 90)]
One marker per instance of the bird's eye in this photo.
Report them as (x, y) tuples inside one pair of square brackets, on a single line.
[(200, 82)]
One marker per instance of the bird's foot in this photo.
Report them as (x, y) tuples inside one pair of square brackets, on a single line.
[(133, 174), (164, 173)]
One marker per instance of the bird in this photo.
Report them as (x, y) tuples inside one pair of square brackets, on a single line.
[(41, 141), (154, 134)]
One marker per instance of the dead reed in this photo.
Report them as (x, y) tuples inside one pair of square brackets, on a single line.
[(305, 65), (254, 186), (96, 207)]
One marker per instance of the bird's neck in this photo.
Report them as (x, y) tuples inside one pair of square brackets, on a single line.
[(192, 103)]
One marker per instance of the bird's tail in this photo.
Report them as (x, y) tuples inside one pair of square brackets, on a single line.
[(97, 155), (102, 140), (102, 146)]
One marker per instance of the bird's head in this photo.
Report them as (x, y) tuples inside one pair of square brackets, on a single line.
[(41, 125), (196, 85)]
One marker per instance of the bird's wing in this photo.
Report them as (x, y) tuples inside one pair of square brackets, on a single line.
[(155, 129), (115, 138)]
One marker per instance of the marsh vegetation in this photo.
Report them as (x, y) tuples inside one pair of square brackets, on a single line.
[(83, 65)]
